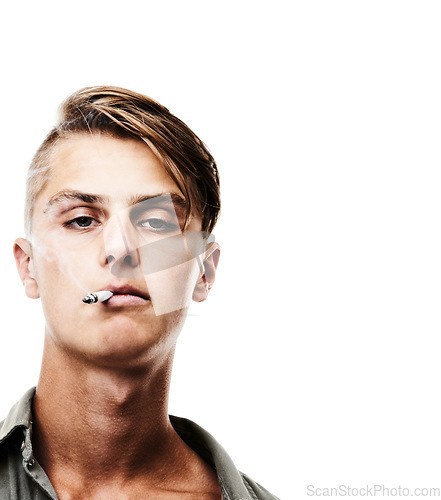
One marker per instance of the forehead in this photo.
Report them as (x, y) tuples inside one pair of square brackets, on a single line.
[(114, 168)]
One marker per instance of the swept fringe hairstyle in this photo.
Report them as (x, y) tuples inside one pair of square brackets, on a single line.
[(124, 114)]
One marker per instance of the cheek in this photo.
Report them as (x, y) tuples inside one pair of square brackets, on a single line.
[(61, 253), (61, 272), (172, 289), (60, 298)]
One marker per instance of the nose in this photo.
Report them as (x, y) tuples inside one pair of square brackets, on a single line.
[(129, 260), (121, 247)]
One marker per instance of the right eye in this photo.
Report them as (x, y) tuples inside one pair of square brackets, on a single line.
[(82, 222)]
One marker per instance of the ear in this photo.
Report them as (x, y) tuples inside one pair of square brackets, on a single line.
[(25, 268), (208, 272)]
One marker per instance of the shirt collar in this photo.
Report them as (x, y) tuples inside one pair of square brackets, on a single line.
[(20, 415), (204, 444)]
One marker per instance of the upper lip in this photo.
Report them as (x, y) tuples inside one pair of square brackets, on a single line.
[(127, 290)]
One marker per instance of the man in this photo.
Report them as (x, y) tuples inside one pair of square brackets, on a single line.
[(121, 202)]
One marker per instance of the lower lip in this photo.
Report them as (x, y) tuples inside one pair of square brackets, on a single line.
[(126, 300)]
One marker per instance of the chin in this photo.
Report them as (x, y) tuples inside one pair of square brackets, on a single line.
[(123, 343)]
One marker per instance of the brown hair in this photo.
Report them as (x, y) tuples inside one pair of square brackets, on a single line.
[(125, 114)]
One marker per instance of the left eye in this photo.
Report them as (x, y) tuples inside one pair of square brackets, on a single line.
[(157, 224)]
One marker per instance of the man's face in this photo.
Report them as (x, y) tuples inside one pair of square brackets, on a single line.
[(104, 221)]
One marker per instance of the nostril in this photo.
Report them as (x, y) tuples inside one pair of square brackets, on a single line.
[(130, 260), (110, 258)]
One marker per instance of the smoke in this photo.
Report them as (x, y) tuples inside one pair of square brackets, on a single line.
[(143, 242)]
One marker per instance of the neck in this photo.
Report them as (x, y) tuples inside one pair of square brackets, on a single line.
[(90, 417)]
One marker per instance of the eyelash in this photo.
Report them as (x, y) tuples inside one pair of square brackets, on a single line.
[(70, 223), (167, 226)]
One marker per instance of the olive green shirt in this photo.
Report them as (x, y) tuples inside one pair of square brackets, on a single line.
[(22, 478)]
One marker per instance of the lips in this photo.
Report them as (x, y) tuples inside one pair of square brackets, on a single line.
[(127, 290), (126, 295)]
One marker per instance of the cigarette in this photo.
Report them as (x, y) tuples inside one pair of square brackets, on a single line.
[(95, 297)]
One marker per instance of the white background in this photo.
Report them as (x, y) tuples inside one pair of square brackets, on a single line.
[(316, 360)]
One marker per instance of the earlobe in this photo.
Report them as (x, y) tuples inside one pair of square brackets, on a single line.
[(208, 272), (24, 263)]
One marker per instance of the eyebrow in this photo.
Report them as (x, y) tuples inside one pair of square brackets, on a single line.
[(95, 199), (73, 196), (178, 200)]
